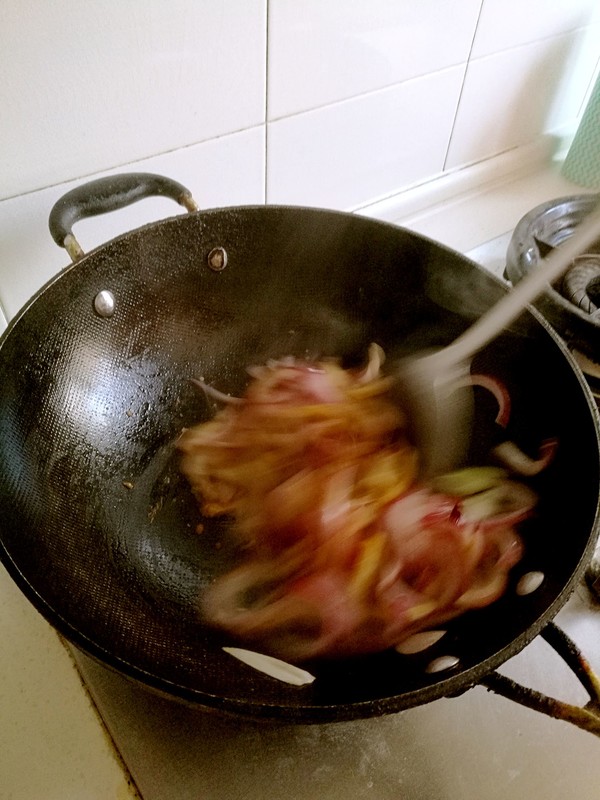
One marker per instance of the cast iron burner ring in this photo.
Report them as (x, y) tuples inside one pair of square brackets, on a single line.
[(570, 305), (581, 284)]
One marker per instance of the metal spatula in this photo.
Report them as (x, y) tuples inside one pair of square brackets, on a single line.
[(427, 383)]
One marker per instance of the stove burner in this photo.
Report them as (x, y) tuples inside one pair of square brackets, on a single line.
[(592, 578), (571, 305), (540, 231), (581, 284)]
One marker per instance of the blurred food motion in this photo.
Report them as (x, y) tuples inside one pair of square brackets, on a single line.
[(344, 548)]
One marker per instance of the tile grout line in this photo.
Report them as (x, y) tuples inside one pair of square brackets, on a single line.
[(462, 88), (590, 87)]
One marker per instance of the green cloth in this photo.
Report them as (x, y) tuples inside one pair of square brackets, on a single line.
[(582, 164)]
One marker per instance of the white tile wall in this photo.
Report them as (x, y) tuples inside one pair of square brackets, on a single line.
[(321, 51), (523, 86), (51, 746), (340, 154), (316, 102), (86, 86), (508, 23)]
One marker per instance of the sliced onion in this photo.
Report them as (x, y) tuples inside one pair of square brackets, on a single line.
[(221, 397), (505, 544), (373, 368), (509, 454), (346, 552), (500, 392), (505, 504), (484, 591), (414, 510), (470, 480)]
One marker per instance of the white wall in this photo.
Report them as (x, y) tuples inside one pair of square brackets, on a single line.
[(331, 103)]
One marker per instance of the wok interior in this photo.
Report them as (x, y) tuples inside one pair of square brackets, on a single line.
[(99, 528)]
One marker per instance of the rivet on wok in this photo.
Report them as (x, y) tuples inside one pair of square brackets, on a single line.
[(442, 664), (104, 303), (529, 582), (217, 259)]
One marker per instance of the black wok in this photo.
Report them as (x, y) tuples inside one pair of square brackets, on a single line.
[(98, 527)]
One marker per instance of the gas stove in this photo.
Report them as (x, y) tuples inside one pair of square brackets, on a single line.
[(572, 304), (475, 746)]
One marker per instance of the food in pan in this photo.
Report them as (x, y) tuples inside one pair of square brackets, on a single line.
[(346, 550)]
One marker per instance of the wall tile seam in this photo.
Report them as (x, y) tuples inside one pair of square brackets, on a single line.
[(362, 95), (505, 151), (481, 175), (266, 121), (478, 59), (537, 40), (595, 76), (394, 85), (131, 163), (462, 88)]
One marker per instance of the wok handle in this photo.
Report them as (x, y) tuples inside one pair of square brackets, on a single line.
[(588, 717), (109, 194)]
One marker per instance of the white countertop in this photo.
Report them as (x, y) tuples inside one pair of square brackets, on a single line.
[(474, 747), (54, 745)]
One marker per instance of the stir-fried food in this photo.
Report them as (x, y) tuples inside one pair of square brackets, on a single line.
[(346, 551)]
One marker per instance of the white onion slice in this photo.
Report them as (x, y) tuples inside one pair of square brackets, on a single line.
[(507, 502), (468, 480), (273, 667), (513, 457), (220, 397), (496, 388), (373, 368)]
